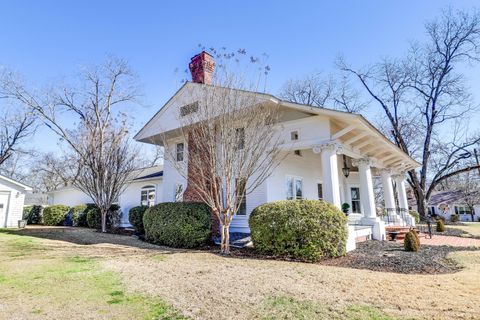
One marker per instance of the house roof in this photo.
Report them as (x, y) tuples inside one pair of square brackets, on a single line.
[(447, 197), (150, 176), (372, 142), (16, 183)]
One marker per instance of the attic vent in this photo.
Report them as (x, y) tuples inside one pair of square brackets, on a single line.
[(188, 109)]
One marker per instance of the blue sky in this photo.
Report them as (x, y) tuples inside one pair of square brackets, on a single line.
[(44, 40)]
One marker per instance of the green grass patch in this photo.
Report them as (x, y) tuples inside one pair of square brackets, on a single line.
[(158, 257), (285, 307), (67, 284)]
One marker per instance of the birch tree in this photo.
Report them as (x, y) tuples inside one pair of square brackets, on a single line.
[(232, 145), (102, 159)]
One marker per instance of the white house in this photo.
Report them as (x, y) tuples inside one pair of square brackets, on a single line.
[(145, 189), (447, 203), (12, 197), (320, 143)]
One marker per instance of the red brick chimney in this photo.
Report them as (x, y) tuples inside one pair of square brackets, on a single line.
[(202, 66)]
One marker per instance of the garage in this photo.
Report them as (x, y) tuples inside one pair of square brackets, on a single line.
[(12, 197)]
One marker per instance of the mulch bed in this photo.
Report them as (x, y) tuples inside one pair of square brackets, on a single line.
[(381, 256), (391, 257)]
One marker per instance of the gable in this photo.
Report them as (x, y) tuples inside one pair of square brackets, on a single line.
[(7, 184)]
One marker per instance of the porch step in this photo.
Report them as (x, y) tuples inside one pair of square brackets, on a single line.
[(401, 232)]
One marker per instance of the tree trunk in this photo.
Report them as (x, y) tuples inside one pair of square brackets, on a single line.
[(225, 243), (104, 221)]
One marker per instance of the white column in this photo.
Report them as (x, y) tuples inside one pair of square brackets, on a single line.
[(388, 194), (367, 197), (331, 185), (401, 192)]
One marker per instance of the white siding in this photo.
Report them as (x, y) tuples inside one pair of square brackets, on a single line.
[(12, 198), (128, 199)]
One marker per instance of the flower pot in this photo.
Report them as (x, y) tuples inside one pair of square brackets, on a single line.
[(22, 224)]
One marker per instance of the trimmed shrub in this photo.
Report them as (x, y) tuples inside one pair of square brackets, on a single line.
[(94, 216), (55, 215), (411, 241), (178, 224), (135, 216), (415, 215), (79, 216), (440, 225), (454, 218), (33, 214), (308, 230)]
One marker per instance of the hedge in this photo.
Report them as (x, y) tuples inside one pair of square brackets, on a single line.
[(178, 224), (55, 215), (416, 215), (94, 216), (33, 214), (135, 216), (307, 230), (79, 215), (411, 241)]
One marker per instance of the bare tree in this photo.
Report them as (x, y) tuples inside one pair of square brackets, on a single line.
[(15, 129), (232, 137), (423, 94), (319, 91), (101, 157)]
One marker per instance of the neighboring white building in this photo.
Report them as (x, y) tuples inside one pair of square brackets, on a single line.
[(12, 197), (145, 189), (447, 203), (317, 140)]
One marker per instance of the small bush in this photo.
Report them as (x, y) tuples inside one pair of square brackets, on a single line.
[(304, 229), (415, 215), (33, 214), (411, 241), (55, 215), (94, 216), (440, 225), (79, 216), (454, 218), (178, 224), (135, 216)]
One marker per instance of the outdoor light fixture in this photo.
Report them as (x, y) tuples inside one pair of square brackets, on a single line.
[(345, 169)]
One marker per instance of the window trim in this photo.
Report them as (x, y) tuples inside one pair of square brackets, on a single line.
[(148, 189), (359, 200), (243, 205), (295, 179), (177, 152), (320, 183)]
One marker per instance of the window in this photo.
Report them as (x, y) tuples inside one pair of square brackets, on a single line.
[(179, 151), (240, 137), (294, 188), (188, 109), (463, 210), (147, 196), (294, 135), (178, 192), (240, 191), (320, 191), (355, 193)]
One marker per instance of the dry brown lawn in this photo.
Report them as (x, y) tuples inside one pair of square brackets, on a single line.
[(147, 280), (472, 228)]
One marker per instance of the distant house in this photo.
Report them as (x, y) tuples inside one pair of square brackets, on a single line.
[(144, 189), (12, 197), (447, 203)]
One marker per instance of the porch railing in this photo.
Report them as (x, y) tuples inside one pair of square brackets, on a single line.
[(396, 216)]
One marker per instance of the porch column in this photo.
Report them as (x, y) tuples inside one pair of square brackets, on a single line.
[(388, 189), (401, 192), (331, 185), (367, 199)]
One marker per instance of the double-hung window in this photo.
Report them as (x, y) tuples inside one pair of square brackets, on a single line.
[(294, 187), (320, 191), (240, 193), (178, 192), (179, 148), (355, 194), (147, 196), (240, 138), (463, 210)]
